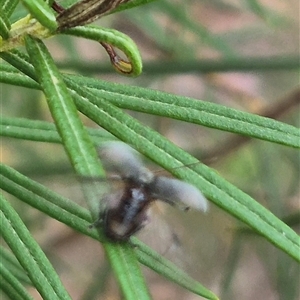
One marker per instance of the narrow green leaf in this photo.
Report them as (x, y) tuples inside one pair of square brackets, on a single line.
[(166, 154), (14, 283), (177, 107), (235, 202), (45, 200), (114, 38), (199, 66), (84, 159), (194, 111), (29, 254), (42, 131), (241, 64), (8, 290), (78, 218), (14, 266), (41, 11), (123, 261), (81, 152), (4, 26), (8, 6), (20, 61), (24, 185)]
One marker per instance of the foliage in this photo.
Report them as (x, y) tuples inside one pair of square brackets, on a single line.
[(104, 102)]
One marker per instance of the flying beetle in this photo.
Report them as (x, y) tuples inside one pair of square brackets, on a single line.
[(127, 209)]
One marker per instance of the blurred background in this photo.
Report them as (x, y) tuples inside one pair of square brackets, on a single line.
[(241, 54)]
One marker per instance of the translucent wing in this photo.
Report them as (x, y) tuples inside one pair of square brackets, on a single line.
[(119, 158), (178, 193)]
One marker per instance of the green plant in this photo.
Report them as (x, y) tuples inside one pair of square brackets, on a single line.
[(102, 102)]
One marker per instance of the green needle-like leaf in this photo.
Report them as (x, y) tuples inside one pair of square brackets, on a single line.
[(41, 11), (4, 26), (14, 266), (180, 42), (79, 219), (167, 155), (195, 111), (29, 254), (42, 131), (8, 6), (84, 159), (6, 275), (163, 104)]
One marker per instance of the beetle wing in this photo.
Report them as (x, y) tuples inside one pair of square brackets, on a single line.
[(119, 158), (178, 193)]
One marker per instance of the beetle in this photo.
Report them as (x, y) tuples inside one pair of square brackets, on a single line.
[(126, 211)]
